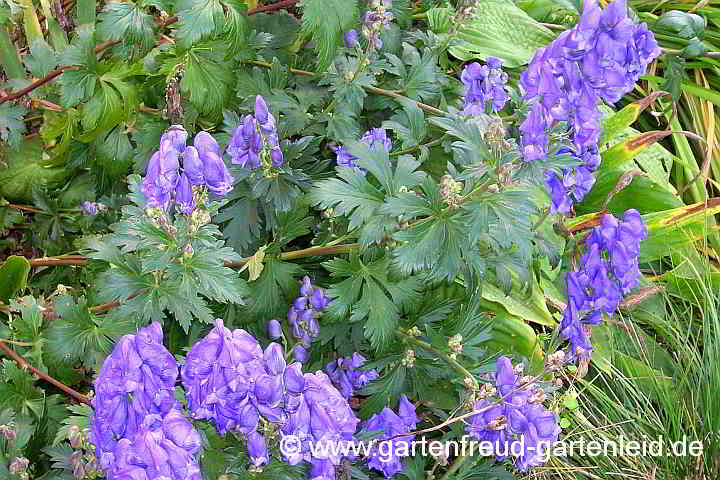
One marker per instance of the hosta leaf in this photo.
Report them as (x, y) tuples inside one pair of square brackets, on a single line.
[(500, 29)]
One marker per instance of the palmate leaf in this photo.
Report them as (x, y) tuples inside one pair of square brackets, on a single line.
[(368, 294), (129, 23), (353, 194), (78, 335), (18, 391), (12, 125), (271, 294), (207, 77), (437, 242), (326, 21), (197, 19)]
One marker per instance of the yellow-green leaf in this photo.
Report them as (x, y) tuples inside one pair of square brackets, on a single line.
[(13, 277)]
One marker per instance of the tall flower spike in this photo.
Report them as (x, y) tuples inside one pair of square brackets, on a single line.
[(484, 84)]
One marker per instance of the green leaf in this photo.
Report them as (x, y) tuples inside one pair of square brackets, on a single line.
[(529, 306), (500, 29), (81, 51), (77, 86), (682, 24), (42, 60), (78, 335), (18, 391), (25, 170), (197, 20), (619, 121), (12, 124), (126, 21), (369, 294), (207, 78), (326, 21), (270, 295)]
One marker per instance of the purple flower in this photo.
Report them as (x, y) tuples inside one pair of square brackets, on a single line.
[(534, 139), (609, 271), (275, 330), (373, 138), (377, 19), (201, 165), (93, 208), (256, 139), (134, 394), (346, 375), (257, 449), (484, 84), (303, 314), (221, 376), (387, 457), (513, 416), (351, 39)]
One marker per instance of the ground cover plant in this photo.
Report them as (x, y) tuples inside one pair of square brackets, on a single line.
[(232, 232)]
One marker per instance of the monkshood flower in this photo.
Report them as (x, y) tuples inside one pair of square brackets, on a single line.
[(255, 144), (319, 414), (351, 39), (137, 379), (388, 459), (484, 84), (570, 188), (168, 180), (601, 58), (346, 375), (304, 312), (373, 138), (163, 447), (511, 410), (609, 272), (230, 380), (93, 208), (377, 20)]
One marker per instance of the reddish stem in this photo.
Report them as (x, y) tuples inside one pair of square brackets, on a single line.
[(25, 365)]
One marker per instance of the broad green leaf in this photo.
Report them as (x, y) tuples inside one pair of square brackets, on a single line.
[(500, 29), (25, 170), (530, 306), (625, 151), (511, 335), (13, 277), (616, 123)]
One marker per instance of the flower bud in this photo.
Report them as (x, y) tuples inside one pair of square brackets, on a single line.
[(275, 330)]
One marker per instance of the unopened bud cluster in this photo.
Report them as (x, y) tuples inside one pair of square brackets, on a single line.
[(451, 190)]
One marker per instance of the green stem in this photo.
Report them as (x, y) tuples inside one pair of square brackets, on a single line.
[(86, 11), (427, 347), (321, 251), (435, 142), (9, 58)]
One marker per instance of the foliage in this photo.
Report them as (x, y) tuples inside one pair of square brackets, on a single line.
[(438, 250)]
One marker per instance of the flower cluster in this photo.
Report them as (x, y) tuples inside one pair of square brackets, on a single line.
[(609, 271), (255, 144), (571, 187), (351, 38), (484, 84), (517, 414), (600, 59), (392, 424), (317, 412), (373, 138), (19, 466), (377, 20), (230, 380), (346, 375), (93, 208), (302, 317), (202, 166), (138, 430)]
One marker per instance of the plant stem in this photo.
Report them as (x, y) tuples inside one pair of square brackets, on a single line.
[(433, 143), (426, 346), (26, 366), (9, 58)]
